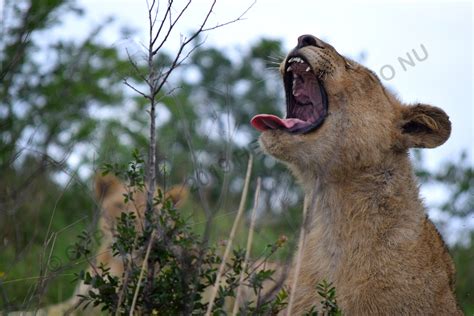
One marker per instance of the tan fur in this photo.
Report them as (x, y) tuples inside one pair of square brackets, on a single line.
[(368, 233)]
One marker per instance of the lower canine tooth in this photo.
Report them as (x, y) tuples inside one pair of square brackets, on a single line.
[(308, 69), (289, 69)]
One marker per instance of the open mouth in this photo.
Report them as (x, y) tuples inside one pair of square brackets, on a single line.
[(306, 101)]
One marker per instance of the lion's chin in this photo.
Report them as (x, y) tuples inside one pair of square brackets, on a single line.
[(281, 145)]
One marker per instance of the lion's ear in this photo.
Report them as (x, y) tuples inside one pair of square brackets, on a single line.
[(178, 194), (104, 185), (424, 126)]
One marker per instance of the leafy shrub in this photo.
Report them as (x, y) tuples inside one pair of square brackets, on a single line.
[(169, 268)]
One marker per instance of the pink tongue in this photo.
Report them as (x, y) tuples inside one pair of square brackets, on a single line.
[(264, 122)]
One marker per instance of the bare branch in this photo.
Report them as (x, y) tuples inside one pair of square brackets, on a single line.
[(240, 18), (150, 9), (170, 29), (176, 63), (204, 22), (156, 78), (178, 60), (135, 89), (153, 39)]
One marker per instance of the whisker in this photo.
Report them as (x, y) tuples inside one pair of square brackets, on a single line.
[(277, 57)]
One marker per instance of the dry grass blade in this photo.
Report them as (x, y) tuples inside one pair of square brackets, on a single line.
[(145, 261), (248, 248), (243, 199), (299, 259)]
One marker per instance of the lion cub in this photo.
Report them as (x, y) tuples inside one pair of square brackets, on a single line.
[(346, 139), (109, 192)]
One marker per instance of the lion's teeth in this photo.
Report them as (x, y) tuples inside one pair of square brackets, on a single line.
[(289, 69), (308, 69), (296, 60)]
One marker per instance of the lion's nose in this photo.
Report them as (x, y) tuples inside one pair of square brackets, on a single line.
[(308, 40)]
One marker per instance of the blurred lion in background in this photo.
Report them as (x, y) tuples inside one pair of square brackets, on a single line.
[(109, 192)]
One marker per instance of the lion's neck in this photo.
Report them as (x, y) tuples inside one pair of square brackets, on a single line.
[(381, 199)]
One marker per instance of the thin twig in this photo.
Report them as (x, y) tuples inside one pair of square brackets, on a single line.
[(240, 18), (231, 237), (249, 246), (125, 81), (135, 66), (124, 287), (150, 10), (170, 28), (156, 12), (144, 266)]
